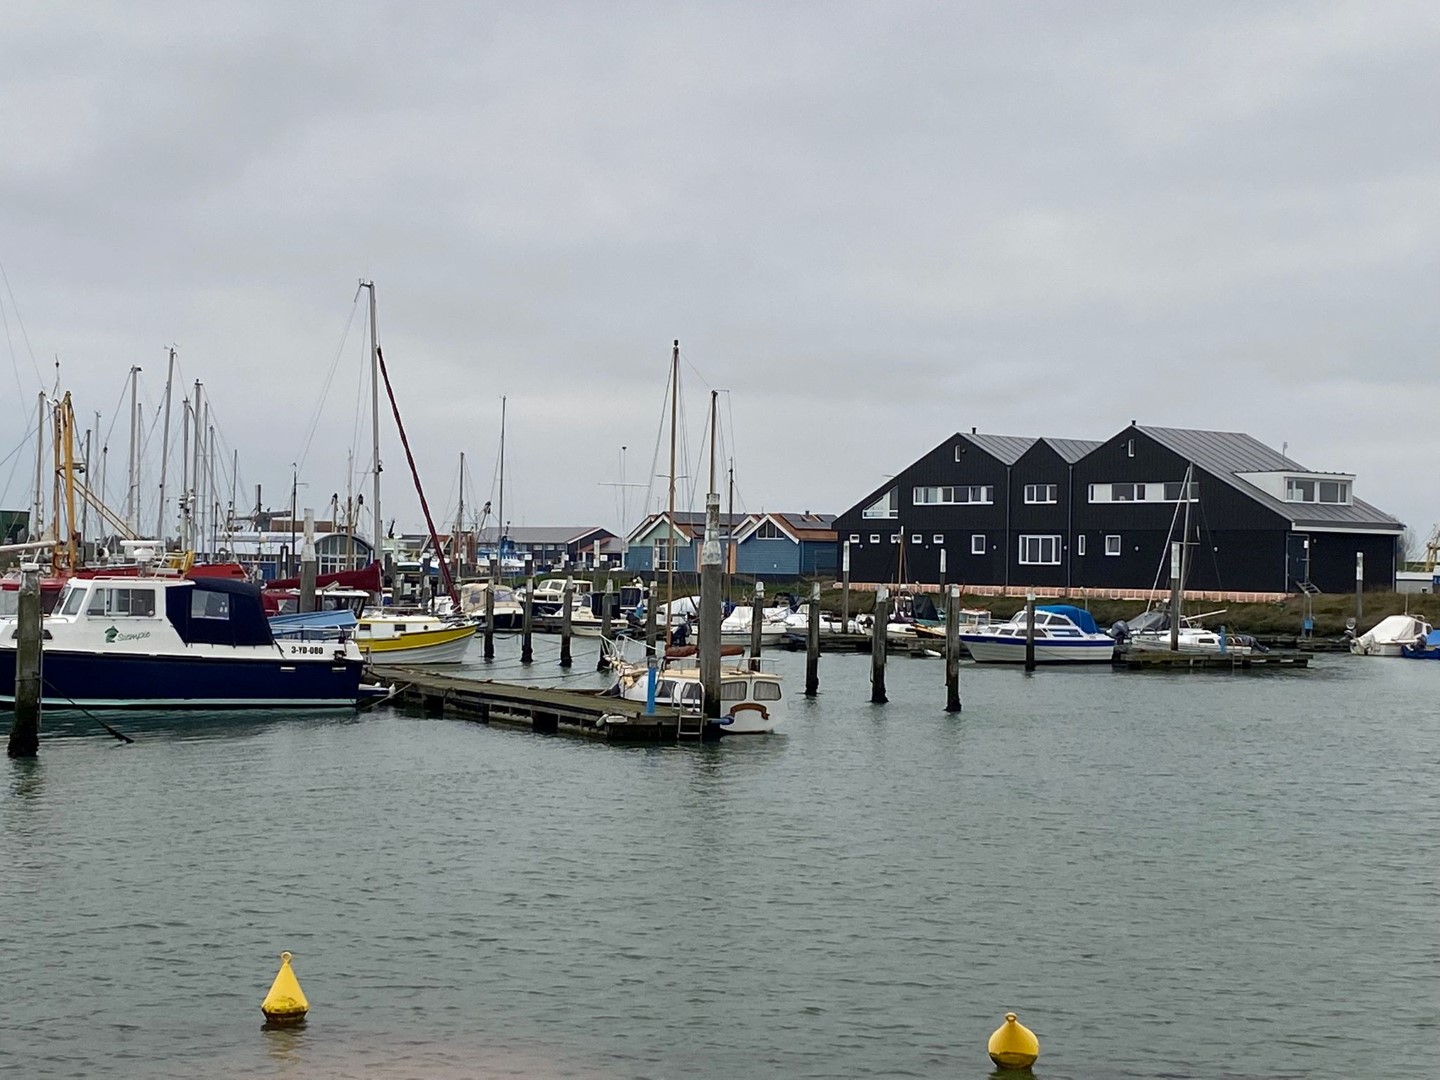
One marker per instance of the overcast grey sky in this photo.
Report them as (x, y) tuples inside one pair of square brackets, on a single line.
[(875, 224)]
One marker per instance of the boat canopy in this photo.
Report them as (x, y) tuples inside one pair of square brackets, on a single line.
[(216, 611), (1079, 616)]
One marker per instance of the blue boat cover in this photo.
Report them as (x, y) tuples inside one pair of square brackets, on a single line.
[(1432, 640), (216, 611), (1079, 616)]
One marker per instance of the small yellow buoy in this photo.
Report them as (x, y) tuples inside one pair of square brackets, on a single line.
[(285, 1003), (1014, 1046)]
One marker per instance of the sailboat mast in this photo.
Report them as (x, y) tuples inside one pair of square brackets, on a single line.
[(37, 507), (670, 524), (132, 500), (500, 519), (459, 555), (379, 552), (730, 526), (165, 450), (192, 516)]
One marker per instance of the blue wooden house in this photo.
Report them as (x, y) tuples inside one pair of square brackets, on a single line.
[(786, 546)]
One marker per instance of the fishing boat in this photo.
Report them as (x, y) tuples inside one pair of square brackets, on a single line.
[(1064, 634), (751, 702), (169, 642), (1390, 635)]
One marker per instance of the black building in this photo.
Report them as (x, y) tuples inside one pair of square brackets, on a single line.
[(1070, 514)]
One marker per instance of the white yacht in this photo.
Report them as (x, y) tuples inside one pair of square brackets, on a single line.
[(751, 702), (1063, 635)]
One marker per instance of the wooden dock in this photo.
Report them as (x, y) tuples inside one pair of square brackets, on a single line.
[(1147, 660), (580, 713)]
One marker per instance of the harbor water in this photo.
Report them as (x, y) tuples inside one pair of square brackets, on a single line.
[(1165, 875)]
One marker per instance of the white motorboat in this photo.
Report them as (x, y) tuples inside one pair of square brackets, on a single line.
[(139, 641), (509, 612), (1150, 632), (751, 702), (1391, 635), (1063, 635)]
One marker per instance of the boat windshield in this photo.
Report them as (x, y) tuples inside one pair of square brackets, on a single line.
[(74, 600)]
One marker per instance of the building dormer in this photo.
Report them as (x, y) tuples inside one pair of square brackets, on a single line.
[(1297, 486)]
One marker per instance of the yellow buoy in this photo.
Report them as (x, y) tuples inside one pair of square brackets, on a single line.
[(286, 1002), (1014, 1046)]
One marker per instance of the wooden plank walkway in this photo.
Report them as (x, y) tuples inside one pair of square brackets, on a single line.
[(581, 713), (1148, 660)]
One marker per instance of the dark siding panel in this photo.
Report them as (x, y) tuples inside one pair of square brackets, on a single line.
[(1332, 561)]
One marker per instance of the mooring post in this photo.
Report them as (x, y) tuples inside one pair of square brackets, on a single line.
[(308, 565), (527, 650), (757, 623), (25, 731), (812, 643), (490, 608), (652, 597), (652, 665), (603, 664), (1030, 631), (1359, 588), (877, 646), (845, 588), (710, 566), (1177, 582), (952, 648), (567, 598)]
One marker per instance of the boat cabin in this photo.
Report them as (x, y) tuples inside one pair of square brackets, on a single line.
[(212, 611)]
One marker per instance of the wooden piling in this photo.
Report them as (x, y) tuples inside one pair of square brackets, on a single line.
[(568, 597), (812, 644), (527, 645), (845, 589), (308, 564), (29, 658), (603, 663), (1030, 631), (709, 644), (952, 648), (878, 642), (490, 609), (1177, 596), (757, 623)]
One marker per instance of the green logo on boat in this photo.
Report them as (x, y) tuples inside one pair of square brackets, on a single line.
[(113, 635)]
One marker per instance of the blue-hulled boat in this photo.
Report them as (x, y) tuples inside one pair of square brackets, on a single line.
[(1428, 650), (168, 642), (1064, 634)]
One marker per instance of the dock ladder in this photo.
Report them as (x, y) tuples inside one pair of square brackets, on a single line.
[(691, 726)]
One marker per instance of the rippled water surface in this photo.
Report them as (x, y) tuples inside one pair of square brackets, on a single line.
[(1167, 876)]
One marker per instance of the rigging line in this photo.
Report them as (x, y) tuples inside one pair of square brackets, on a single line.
[(21, 321), (329, 379), (14, 363)]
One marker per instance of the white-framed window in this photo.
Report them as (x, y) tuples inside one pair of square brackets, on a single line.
[(120, 602), (895, 537), (954, 496), (1041, 493), (770, 531), (1036, 550), (854, 538), (1080, 544), (938, 538), (977, 543), (1112, 544), (1148, 492), (662, 554), (916, 538), (1129, 447), (874, 538), (883, 507), (1300, 489)]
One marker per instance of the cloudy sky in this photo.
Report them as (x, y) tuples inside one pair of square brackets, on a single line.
[(873, 224)]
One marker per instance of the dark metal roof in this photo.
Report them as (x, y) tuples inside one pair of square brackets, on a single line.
[(1226, 453), (1072, 450), (1005, 448), (552, 534)]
